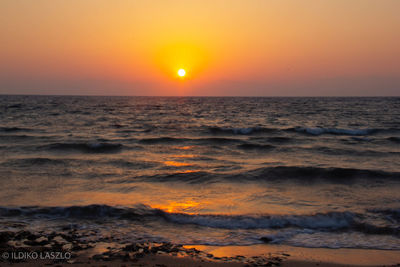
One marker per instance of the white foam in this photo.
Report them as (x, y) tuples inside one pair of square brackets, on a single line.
[(317, 221)]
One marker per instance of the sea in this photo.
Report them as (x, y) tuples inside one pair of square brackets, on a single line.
[(299, 171)]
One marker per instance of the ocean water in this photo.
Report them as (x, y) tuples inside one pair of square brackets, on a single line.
[(310, 172)]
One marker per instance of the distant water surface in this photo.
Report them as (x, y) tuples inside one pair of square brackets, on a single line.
[(312, 172)]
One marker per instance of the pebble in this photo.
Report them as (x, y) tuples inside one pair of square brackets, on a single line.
[(78, 241)]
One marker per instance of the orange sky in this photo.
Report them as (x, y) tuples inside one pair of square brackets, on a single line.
[(248, 47)]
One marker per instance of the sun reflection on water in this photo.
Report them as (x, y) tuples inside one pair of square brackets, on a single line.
[(184, 147), (176, 163), (189, 206)]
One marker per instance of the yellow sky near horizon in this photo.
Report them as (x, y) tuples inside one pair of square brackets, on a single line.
[(115, 47)]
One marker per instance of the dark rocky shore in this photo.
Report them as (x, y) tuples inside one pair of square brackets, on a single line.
[(74, 246)]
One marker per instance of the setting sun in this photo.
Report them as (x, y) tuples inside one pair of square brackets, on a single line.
[(202, 132), (181, 73)]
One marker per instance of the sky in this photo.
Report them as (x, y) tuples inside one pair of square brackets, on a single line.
[(227, 47)]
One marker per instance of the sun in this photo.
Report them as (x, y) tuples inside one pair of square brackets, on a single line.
[(181, 73)]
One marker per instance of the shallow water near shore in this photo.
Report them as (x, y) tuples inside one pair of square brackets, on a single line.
[(304, 172)]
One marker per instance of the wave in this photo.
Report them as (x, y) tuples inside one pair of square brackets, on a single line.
[(86, 147), (329, 221), (90, 211), (394, 139), (169, 140), (14, 106), (197, 177), (131, 130), (352, 151), (333, 220), (314, 173), (306, 130), (14, 129), (43, 161), (162, 140), (16, 137), (132, 164), (390, 214), (279, 139), (250, 146), (340, 131), (335, 131), (33, 162), (239, 131), (218, 140), (277, 174)]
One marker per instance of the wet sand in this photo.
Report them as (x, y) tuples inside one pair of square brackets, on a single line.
[(299, 256)]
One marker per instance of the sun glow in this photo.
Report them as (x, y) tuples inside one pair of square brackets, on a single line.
[(181, 73)]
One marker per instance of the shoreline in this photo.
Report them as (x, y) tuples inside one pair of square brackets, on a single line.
[(312, 256), (112, 253)]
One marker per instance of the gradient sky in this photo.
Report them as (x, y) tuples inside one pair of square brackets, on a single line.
[(231, 47)]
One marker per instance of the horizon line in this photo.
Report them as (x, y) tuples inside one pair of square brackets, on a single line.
[(247, 96)]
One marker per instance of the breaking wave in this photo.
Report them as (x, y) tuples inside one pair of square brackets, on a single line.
[(329, 221), (336, 131)]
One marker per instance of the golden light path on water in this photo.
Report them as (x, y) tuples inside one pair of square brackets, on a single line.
[(217, 197)]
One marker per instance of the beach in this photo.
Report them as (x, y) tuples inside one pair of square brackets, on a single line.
[(30, 249)]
